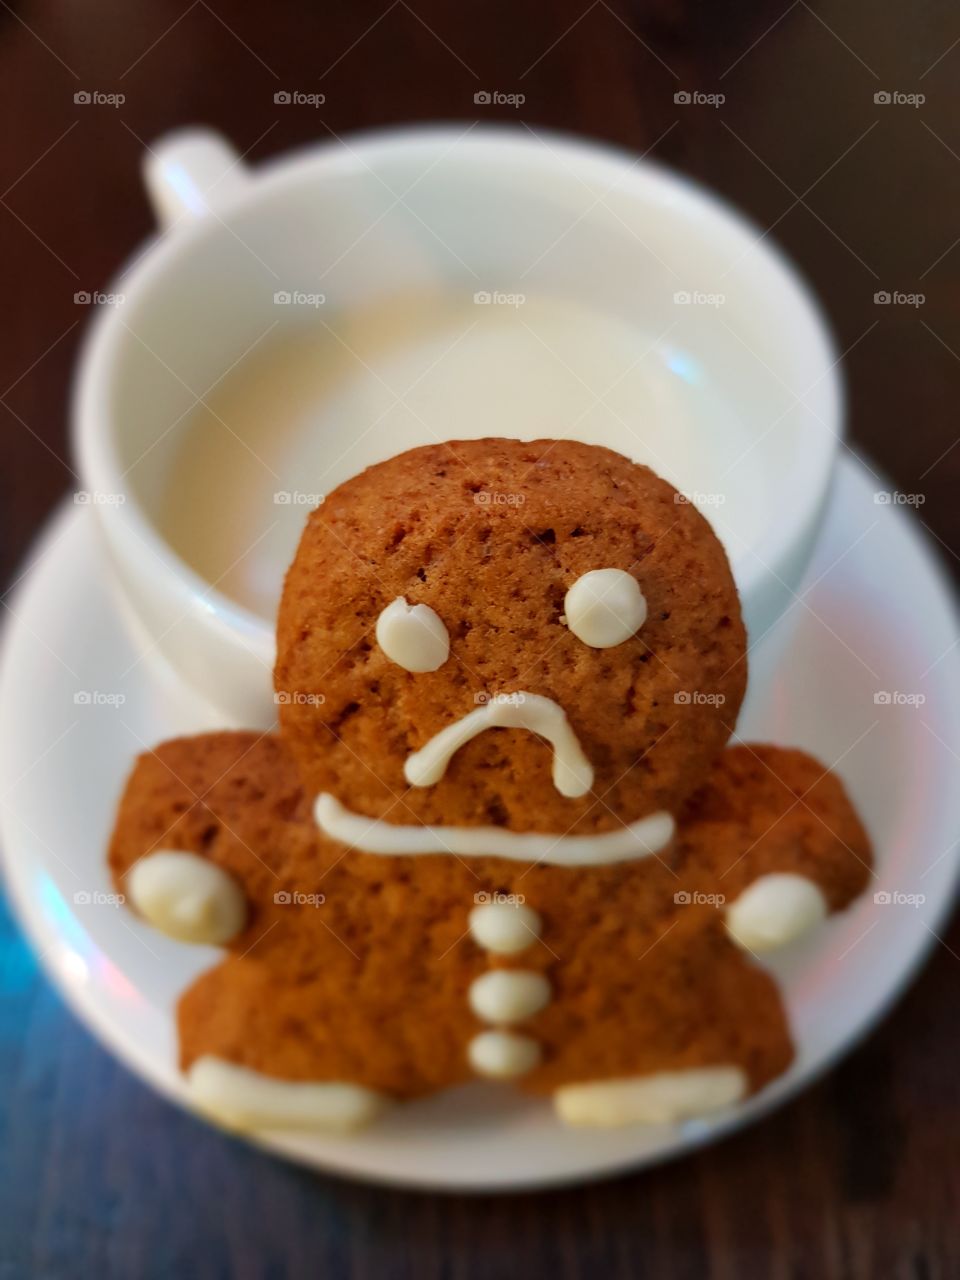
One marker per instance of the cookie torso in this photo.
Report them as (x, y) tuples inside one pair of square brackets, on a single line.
[(359, 967)]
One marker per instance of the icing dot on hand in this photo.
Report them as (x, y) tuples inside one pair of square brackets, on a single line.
[(605, 607), (413, 636), (187, 897)]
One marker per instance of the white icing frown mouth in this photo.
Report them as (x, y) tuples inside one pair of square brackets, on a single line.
[(572, 776), (572, 771)]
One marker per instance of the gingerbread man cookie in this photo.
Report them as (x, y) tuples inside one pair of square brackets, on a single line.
[(498, 834)]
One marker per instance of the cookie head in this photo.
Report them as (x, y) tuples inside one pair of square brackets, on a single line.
[(539, 637)]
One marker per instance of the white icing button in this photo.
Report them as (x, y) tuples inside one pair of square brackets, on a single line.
[(775, 910), (662, 1098), (246, 1099), (504, 927), (187, 897), (605, 607), (642, 838), (502, 1055), (572, 771), (413, 636), (508, 995)]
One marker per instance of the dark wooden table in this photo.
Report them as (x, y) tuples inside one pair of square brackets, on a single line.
[(861, 1176)]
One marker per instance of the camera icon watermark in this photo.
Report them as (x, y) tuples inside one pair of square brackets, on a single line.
[(98, 698), (97, 498), (894, 98), (698, 298), (897, 698), (295, 898), (297, 698), (897, 298), (485, 898), (294, 498), (95, 98), (483, 699), (496, 298), (298, 298), (697, 499), (97, 898), (894, 898), (492, 498), (495, 98), (694, 898), (694, 98), (94, 298), (894, 498), (296, 98)]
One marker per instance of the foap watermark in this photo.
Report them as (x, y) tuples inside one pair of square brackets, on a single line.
[(97, 98), (94, 298), (297, 698), (97, 898), (694, 898), (295, 898), (894, 98), (497, 298), (499, 699), (698, 298), (298, 298), (897, 698), (295, 498), (897, 298), (492, 498), (98, 698), (497, 98), (297, 98), (895, 898), (894, 498), (695, 98), (96, 498), (698, 499), (483, 898), (698, 698)]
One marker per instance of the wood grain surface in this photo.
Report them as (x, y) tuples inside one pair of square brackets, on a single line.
[(861, 1176)]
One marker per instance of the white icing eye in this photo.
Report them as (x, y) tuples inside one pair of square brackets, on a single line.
[(604, 607), (413, 636)]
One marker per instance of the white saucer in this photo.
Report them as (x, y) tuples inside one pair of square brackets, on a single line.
[(878, 618)]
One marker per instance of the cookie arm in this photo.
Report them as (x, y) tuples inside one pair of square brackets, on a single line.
[(201, 832), (773, 838)]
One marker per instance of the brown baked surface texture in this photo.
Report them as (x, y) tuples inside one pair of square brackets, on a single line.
[(770, 809), (491, 534), (356, 967)]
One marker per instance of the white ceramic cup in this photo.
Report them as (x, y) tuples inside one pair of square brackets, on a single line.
[(446, 210)]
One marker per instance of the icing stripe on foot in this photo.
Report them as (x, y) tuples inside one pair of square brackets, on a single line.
[(662, 1098), (245, 1099)]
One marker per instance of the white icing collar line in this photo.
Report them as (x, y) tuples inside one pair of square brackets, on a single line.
[(640, 839)]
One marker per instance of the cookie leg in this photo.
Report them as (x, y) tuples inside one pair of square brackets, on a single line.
[(300, 1033), (229, 1021), (664, 1097), (773, 837), (688, 1027), (240, 1098)]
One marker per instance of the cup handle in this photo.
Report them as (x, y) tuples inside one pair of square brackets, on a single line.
[(189, 173)]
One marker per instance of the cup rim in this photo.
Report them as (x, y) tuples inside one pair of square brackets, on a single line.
[(93, 436)]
